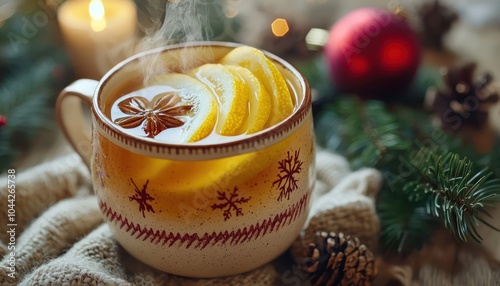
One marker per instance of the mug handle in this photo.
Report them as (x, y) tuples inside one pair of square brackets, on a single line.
[(70, 116)]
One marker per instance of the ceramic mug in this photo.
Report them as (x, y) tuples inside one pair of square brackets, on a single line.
[(195, 209)]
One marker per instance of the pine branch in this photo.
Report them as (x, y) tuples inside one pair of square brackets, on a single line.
[(405, 225), (494, 159), (364, 131), (453, 191), (424, 133), (423, 189), (6, 154), (26, 100)]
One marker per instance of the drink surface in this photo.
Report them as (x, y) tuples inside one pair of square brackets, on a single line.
[(239, 95)]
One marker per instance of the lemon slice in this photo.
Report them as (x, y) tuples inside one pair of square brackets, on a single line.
[(185, 177), (232, 93), (268, 75), (259, 99), (195, 93)]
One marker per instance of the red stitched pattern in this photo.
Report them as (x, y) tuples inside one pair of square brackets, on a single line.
[(233, 237)]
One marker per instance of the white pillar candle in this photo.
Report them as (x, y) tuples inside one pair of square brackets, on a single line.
[(96, 33)]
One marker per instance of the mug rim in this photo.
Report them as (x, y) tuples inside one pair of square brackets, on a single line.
[(195, 150)]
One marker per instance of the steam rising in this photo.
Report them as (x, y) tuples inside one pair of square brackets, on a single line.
[(178, 22)]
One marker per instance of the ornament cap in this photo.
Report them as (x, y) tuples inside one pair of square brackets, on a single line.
[(401, 13)]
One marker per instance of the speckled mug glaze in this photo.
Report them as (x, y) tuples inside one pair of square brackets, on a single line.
[(227, 224)]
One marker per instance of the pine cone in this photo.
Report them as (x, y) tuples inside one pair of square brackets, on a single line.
[(338, 260), (436, 20), (464, 101)]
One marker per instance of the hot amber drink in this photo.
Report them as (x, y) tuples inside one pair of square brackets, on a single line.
[(204, 169)]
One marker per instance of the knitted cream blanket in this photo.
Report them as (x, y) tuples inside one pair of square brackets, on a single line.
[(55, 234)]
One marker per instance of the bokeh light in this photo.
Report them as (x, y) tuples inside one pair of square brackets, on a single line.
[(279, 27)]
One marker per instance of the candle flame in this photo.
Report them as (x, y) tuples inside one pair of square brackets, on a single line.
[(96, 10)]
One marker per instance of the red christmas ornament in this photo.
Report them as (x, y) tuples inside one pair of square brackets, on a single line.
[(372, 53), (3, 121)]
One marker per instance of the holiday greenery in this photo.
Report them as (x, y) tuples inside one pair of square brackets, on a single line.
[(431, 178), (26, 102), (33, 69), (416, 137)]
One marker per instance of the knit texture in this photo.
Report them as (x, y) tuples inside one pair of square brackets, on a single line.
[(61, 238)]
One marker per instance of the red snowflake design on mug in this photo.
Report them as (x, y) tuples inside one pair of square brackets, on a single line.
[(100, 172), (142, 198), (289, 168), (230, 202)]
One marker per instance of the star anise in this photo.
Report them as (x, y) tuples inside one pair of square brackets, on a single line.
[(161, 116)]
